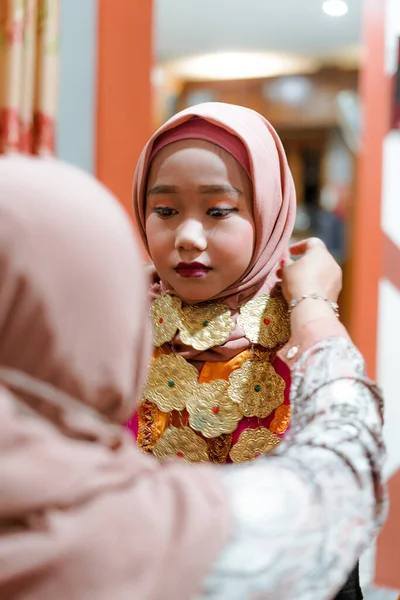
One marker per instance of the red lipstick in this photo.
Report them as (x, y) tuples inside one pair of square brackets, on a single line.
[(193, 269)]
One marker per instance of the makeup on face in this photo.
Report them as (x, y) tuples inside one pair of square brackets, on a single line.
[(199, 221)]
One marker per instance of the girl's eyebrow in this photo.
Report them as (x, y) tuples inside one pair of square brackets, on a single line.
[(204, 189), (162, 189), (220, 189)]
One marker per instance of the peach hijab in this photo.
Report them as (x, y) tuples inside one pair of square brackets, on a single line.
[(274, 201), (83, 513)]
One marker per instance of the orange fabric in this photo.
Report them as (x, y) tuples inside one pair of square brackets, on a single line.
[(281, 420), (222, 370)]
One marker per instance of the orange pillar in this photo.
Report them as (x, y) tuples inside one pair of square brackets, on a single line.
[(124, 106), (375, 255), (367, 233)]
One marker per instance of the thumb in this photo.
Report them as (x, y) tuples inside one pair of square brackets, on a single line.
[(306, 246)]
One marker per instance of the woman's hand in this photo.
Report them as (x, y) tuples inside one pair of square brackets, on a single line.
[(315, 272)]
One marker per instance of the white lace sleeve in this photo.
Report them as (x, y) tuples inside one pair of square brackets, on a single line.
[(304, 515)]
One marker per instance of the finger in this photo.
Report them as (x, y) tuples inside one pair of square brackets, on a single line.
[(285, 262), (306, 246)]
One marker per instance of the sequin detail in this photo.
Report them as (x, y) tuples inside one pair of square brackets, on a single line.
[(252, 443), (265, 321), (182, 443), (201, 408), (256, 388)]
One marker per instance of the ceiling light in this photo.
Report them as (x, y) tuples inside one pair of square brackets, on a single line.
[(237, 65), (335, 8)]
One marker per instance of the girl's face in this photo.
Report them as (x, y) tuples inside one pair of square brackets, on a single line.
[(199, 219)]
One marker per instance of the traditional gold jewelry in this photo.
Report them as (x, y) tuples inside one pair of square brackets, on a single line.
[(176, 405), (181, 443), (164, 313), (171, 380), (203, 326), (265, 321), (252, 443), (211, 411), (256, 388)]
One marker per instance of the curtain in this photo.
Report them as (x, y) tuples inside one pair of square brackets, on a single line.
[(29, 32)]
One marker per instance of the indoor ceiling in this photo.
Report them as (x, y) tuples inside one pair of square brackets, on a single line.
[(299, 27)]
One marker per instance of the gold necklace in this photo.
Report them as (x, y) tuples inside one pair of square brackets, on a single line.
[(264, 320), (214, 409)]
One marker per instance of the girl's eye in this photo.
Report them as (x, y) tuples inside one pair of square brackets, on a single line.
[(220, 213), (164, 211)]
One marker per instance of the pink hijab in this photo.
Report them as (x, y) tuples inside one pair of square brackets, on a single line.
[(274, 200), (83, 513)]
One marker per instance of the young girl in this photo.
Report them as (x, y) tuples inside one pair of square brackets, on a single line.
[(215, 204)]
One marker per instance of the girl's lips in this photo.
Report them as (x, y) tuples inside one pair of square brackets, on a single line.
[(192, 269)]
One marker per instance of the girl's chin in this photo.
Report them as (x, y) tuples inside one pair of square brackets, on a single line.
[(194, 293)]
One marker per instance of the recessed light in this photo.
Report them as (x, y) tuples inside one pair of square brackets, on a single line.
[(335, 8)]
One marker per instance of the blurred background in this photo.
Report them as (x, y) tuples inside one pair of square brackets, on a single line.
[(90, 80)]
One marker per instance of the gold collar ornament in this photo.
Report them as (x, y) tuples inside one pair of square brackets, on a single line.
[(205, 325), (265, 321), (181, 443), (257, 388), (211, 411), (164, 314), (171, 380), (252, 443)]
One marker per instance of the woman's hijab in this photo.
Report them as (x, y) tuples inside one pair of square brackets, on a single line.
[(83, 513)]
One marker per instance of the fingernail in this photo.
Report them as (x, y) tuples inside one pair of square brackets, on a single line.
[(283, 262)]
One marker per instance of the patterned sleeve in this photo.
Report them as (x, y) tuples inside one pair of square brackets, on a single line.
[(304, 515)]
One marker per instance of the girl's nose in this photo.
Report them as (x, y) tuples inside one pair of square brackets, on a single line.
[(190, 236)]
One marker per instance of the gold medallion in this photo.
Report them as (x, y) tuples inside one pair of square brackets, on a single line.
[(165, 318), (265, 321), (171, 381), (257, 388), (252, 443), (181, 443), (211, 411), (205, 325)]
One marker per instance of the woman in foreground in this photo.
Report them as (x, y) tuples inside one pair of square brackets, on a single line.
[(84, 514)]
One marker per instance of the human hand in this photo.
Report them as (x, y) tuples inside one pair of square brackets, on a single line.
[(316, 272)]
